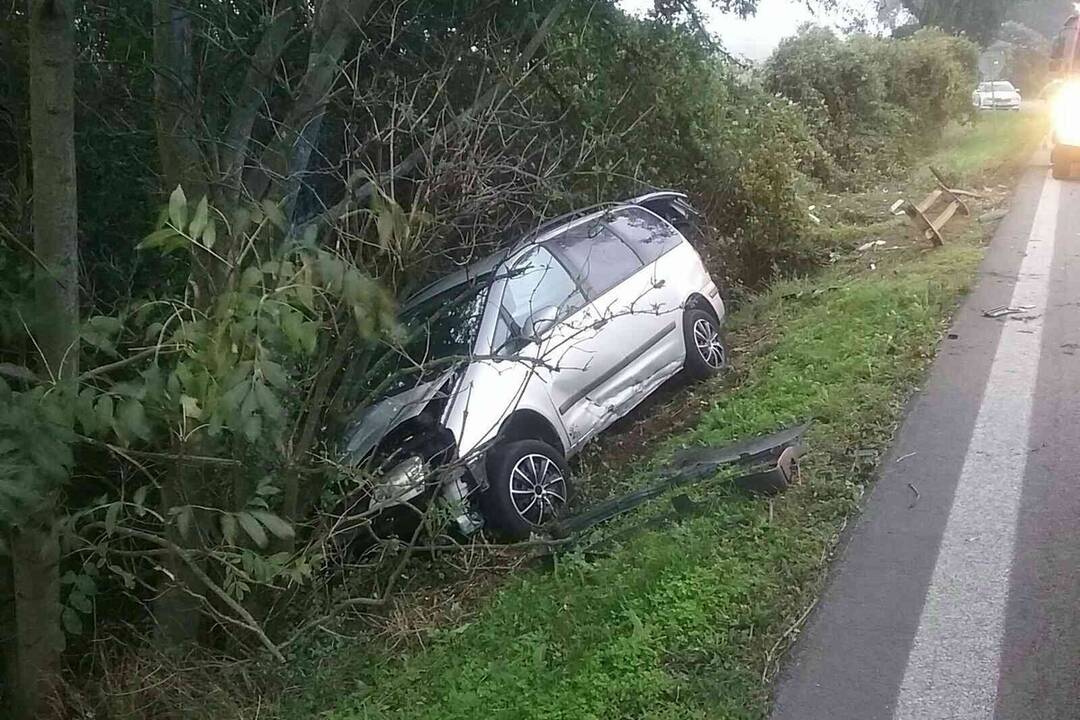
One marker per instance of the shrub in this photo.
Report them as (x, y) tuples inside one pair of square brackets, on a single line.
[(869, 99), (654, 106)]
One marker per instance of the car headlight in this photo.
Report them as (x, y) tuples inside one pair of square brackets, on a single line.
[(1066, 114), (403, 482)]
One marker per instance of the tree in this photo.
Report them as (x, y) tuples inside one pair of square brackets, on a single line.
[(979, 20), (1022, 54), (35, 547), (1043, 16)]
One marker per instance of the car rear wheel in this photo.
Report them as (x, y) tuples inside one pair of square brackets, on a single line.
[(528, 486), (706, 354)]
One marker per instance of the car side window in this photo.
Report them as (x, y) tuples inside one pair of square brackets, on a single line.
[(599, 257), (535, 281), (647, 235)]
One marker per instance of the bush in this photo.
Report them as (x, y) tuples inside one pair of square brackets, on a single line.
[(869, 100), (656, 107)]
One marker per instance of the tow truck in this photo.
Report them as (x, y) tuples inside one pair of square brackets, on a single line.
[(1063, 92)]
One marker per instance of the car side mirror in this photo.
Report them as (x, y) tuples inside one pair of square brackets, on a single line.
[(540, 323)]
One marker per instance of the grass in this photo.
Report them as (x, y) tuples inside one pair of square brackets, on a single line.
[(690, 622)]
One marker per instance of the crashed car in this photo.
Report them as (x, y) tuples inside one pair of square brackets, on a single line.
[(514, 363)]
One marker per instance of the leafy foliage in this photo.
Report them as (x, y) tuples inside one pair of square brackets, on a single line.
[(870, 100), (1023, 54), (36, 432), (979, 20)]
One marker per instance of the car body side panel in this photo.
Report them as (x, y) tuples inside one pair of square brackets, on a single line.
[(489, 392), (643, 333)]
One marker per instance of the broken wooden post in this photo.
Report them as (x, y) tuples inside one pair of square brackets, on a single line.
[(926, 224)]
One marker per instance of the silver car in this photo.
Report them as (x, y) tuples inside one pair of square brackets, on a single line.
[(513, 364)]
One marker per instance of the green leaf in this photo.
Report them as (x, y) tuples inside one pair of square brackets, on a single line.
[(274, 374), (305, 292), (84, 412), (274, 214), (139, 498), (178, 209), (252, 427), (209, 235), (309, 336), (198, 223), (104, 409), (253, 528), (111, 515), (267, 488), (251, 277), (72, 622), (132, 418), (235, 397), (269, 403), (108, 324), (152, 332), (80, 602), (228, 528), (157, 239), (274, 524), (385, 225), (184, 515), (190, 407)]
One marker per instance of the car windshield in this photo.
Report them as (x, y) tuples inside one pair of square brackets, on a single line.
[(1002, 87), (436, 332)]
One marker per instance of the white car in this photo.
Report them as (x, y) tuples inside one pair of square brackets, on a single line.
[(515, 363), (1000, 95)]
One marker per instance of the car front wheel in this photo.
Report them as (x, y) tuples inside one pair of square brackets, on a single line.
[(528, 485), (706, 354)]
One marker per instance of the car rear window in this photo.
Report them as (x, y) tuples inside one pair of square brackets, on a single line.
[(598, 256), (649, 236)]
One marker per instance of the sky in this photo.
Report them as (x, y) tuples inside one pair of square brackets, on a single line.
[(756, 37)]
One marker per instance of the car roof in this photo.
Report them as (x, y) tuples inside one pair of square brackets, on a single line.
[(543, 232)]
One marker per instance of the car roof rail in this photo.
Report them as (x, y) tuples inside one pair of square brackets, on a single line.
[(569, 217)]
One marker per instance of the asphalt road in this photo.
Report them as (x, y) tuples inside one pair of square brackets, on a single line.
[(963, 603)]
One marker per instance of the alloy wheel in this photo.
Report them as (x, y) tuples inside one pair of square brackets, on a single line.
[(537, 488), (708, 343)]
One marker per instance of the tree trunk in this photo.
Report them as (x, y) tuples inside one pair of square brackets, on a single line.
[(35, 553), (35, 548)]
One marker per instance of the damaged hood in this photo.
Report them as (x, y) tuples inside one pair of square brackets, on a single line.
[(370, 424)]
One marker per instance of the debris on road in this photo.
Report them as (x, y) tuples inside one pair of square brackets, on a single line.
[(1005, 310), (902, 458), (917, 496), (993, 216)]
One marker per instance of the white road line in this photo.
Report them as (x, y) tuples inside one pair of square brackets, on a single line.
[(952, 670)]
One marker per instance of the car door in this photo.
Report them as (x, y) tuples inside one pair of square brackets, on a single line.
[(600, 354), (654, 298), (556, 356)]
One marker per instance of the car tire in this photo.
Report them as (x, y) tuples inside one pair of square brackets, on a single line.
[(528, 485), (706, 353)]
